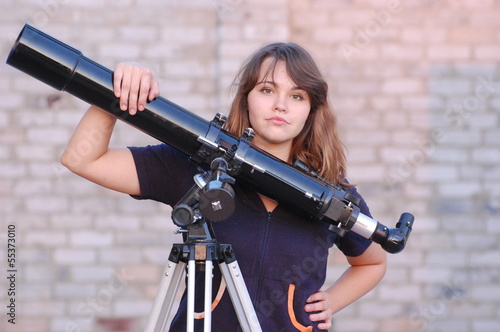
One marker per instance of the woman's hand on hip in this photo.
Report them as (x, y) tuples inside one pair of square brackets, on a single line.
[(319, 306)]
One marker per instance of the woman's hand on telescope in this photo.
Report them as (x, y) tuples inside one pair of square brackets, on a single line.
[(135, 85)]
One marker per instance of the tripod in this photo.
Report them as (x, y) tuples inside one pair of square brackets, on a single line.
[(201, 248)]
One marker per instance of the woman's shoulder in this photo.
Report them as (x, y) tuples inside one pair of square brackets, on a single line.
[(161, 151)]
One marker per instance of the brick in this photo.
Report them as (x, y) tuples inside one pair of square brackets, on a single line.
[(70, 221), (362, 155), (347, 103), (446, 259), (459, 189), (383, 103), (393, 154), (74, 256), (13, 101), (4, 120), (28, 324), (484, 18), (422, 35), (139, 240), (347, 87), (411, 292), (481, 311), (69, 290), (63, 324), (435, 173), (92, 204), (6, 186), (484, 293), (45, 238), (13, 170), (40, 308), (494, 102), (32, 187), (364, 173), (432, 274), (452, 206), (375, 310), (38, 273), (485, 258), (127, 51), (486, 155), (157, 254), (492, 188), (69, 117), (116, 222), (365, 133), (485, 325), (28, 85), (48, 135), (402, 86), (140, 33), (91, 239), (477, 241), (465, 35), (254, 32), (457, 138), (46, 204), (458, 325), (442, 154), (92, 273), (35, 152), (493, 226), (143, 273), (356, 324), (402, 53), (448, 52), (132, 307), (331, 35), (119, 256), (492, 138), (450, 86)]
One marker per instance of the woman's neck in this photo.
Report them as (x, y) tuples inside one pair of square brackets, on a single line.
[(280, 151)]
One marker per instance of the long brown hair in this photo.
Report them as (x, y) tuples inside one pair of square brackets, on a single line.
[(318, 144)]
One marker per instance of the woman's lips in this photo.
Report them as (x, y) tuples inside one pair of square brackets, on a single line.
[(278, 121)]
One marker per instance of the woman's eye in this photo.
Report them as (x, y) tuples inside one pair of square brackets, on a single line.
[(297, 97), (266, 91)]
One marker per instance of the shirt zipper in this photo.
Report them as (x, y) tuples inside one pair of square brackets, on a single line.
[(263, 256)]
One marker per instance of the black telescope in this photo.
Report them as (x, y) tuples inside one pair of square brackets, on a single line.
[(67, 69)]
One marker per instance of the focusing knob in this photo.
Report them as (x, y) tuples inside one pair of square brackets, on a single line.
[(182, 215)]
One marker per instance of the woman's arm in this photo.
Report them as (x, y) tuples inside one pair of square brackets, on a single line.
[(363, 275), (88, 154)]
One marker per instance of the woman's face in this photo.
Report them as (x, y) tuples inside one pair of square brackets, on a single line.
[(278, 110)]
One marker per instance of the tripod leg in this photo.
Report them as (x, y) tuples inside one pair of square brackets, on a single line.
[(162, 305), (240, 297), (208, 296), (190, 295)]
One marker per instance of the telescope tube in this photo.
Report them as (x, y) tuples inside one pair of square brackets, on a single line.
[(67, 69)]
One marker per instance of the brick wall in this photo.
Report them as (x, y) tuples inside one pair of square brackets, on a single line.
[(415, 85)]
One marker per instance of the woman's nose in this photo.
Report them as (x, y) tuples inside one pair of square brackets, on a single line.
[(280, 104)]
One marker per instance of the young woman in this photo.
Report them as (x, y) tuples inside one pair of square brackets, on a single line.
[(283, 256)]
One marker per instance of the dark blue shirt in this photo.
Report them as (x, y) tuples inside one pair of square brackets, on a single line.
[(282, 255)]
